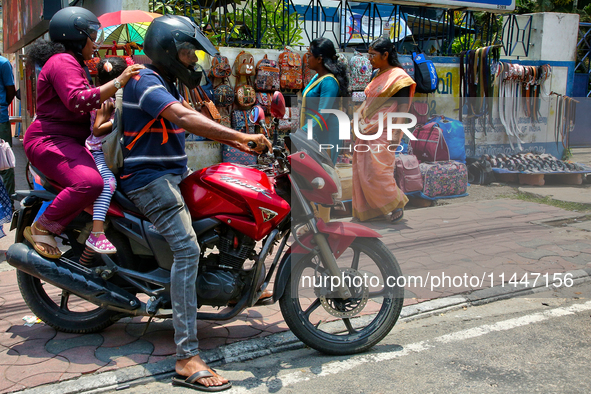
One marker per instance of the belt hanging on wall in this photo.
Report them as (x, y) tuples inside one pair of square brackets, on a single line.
[(476, 81), (518, 89), (564, 122)]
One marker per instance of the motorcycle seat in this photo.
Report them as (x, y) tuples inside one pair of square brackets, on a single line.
[(119, 197), (125, 202)]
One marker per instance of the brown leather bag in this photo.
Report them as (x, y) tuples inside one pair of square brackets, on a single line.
[(208, 108), (407, 173)]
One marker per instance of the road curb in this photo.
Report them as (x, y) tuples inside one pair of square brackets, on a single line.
[(280, 342)]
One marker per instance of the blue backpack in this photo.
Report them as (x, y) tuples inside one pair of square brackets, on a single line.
[(453, 133), (425, 74)]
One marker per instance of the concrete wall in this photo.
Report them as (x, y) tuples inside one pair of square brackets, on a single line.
[(553, 37)]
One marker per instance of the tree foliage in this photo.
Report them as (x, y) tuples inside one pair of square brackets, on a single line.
[(236, 23)]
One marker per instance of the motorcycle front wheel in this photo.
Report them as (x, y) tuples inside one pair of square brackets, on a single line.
[(332, 325)]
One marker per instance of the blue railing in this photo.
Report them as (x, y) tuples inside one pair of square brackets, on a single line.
[(280, 23)]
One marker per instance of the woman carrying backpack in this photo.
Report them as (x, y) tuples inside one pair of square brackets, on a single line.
[(331, 81), (375, 193)]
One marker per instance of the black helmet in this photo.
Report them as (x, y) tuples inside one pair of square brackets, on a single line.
[(161, 43), (73, 24)]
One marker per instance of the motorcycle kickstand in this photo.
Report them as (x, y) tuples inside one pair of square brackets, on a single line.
[(152, 308)]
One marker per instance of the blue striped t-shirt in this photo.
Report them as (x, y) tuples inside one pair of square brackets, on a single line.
[(144, 98)]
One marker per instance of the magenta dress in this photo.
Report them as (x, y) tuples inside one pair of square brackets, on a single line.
[(54, 143)]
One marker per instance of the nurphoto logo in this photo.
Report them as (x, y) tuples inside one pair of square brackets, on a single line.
[(345, 129)]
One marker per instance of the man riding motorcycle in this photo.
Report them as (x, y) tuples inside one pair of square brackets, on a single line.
[(155, 118)]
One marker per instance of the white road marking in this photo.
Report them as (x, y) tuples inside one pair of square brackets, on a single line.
[(336, 367)]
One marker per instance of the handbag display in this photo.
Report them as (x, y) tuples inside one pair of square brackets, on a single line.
[(407, 173), (244, 64), (444, 178), (264, 100), (267, 75), (236, 156), (307, 72), (425, 74), (223, 95), (358, 97), (421, 111), (241, 122), (290, 120), (455, 138), (220, 67), (430, 144), (208, 108), (225, 118), (359, 72), (291, 70), (407, 64), (245, 95)]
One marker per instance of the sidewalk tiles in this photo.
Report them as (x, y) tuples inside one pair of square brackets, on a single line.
[(481, 239)]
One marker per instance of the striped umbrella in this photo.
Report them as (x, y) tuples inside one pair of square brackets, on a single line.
[(125, 27)]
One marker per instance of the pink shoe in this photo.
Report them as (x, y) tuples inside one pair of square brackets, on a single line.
[(100, 243)]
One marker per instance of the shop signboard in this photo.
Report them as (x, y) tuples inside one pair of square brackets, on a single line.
[(360, 24), (475, 5), (26, 20)]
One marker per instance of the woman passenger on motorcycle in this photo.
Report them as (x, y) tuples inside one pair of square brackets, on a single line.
[(55, 140), (331, 81)]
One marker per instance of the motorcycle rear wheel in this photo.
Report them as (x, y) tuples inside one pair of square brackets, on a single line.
[(65, 311), (341, 327)]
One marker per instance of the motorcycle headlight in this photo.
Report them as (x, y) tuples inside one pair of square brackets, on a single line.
[(335, 177)]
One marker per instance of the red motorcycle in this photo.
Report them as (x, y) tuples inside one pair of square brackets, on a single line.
[(336, 282)]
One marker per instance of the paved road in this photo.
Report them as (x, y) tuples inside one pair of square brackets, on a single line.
[(536, 344)]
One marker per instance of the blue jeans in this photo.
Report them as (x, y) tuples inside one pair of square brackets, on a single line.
[(161, 202)]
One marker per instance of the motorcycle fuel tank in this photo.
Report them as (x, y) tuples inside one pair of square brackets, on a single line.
[(242, 197)]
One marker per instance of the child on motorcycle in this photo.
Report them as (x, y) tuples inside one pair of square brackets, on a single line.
[(101, 124)]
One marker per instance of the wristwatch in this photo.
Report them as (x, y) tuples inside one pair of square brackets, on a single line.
[(117, 83)]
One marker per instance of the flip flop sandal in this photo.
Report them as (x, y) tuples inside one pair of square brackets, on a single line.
[(35, 239), (399, 218), (192, 382)]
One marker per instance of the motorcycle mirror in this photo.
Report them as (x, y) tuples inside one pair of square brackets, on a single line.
[(257, 115), (278, 105)]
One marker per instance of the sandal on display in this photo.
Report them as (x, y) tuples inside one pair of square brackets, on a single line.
[(45, 238), (192, 381)]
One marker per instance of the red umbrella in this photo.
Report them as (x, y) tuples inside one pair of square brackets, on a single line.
[(122, 17)]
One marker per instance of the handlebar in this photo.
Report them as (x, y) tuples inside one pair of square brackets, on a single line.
[(252, 145)]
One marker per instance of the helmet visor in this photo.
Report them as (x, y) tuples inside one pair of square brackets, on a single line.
[(92, 30), (87, 27), (197, 39)]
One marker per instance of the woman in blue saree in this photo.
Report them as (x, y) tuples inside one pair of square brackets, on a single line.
[(323, 92)]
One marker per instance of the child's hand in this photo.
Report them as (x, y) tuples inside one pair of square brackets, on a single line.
[(103, 115), (102, 124), (129, 72)]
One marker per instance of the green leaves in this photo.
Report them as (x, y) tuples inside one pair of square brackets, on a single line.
[(241, 23)]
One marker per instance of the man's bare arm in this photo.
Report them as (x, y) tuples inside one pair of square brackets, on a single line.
[(198, 124)]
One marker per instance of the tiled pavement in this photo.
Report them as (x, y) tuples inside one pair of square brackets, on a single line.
[(477, 239)]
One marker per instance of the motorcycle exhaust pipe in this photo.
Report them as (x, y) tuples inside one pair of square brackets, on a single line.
[(87, 286)]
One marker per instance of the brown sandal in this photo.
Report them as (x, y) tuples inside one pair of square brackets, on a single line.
[(44, 238)]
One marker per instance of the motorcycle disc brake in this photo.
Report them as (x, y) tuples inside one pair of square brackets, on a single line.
[(351, 306)]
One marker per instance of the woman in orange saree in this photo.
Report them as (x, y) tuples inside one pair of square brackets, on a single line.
[(375, 193)]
